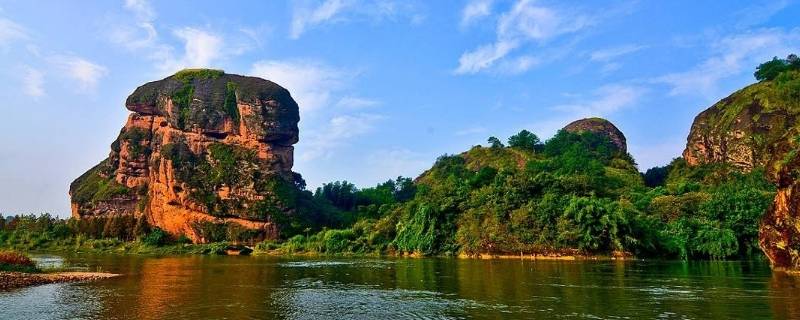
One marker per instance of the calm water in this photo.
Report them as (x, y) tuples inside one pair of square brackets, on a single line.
[(197, 287)]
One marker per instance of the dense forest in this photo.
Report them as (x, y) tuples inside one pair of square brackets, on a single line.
[(577, 193), (573, 194)]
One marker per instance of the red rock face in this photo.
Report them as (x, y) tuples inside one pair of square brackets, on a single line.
[(198, 150)]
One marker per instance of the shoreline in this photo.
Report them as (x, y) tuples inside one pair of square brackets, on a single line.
[(15, 280)]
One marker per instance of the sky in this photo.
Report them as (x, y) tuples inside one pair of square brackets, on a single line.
[(385, 86)]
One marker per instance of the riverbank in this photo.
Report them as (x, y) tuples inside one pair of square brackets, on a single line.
[(13, 280)]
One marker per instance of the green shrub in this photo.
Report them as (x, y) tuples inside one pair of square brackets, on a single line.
[(13, 261), (156, 237)]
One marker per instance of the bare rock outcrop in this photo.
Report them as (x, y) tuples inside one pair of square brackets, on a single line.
[(200, 148)]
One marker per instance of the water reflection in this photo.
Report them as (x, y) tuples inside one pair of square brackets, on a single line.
[(195, 287)]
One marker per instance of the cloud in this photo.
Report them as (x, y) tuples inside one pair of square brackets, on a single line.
[(604, 100), (525, 23), (33, 82), (10, 31), (483, 57), (310, 83), (475, 10), (87, 73), (320, 142), (142, 9), (201, 48), (759, 13), (352, 102), (309, 16), (608, 54), (730, 56)]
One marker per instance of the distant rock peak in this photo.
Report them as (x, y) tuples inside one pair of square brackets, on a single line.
[(599, 126)]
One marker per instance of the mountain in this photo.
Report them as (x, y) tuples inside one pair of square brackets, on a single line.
[(202, 152), (757, 127)]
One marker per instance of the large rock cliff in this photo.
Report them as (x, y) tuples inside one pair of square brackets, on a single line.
[(758, 127), (200, 148)]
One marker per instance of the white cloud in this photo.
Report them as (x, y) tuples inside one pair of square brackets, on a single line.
[(311, 84), (731, 56), (475, 10), (308, 16), (142, 9), (33, 82), (526, 22), (320, 142), (201, 48), (10, 31), (604, 100), (608, 54), (483, 57), (759, 13), (87, 73), (352, 102)]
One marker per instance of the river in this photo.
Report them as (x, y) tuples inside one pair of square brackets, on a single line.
[(232, 287)]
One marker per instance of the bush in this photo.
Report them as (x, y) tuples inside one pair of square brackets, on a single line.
[(13, 261), (157, 237)]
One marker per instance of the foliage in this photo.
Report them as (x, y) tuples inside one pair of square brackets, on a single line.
[(187, 75), (495, 143), (525, 140), (231, 107), (12, 261), (772, 69), (156, 237), (95, 186)]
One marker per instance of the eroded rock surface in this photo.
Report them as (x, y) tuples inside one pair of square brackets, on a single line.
[(201, 148)]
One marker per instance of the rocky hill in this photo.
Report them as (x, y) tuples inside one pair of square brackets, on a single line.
[(200, 149), (758, 127), (599, 126)]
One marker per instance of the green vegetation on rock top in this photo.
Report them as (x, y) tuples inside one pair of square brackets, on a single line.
[(187, 75)]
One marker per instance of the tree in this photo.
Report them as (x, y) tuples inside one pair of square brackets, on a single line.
[(495, 143), (656, 176), (771, 69), (525, 140)]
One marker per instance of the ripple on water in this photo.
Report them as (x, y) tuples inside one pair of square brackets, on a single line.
[(315, 299), (329, 263)]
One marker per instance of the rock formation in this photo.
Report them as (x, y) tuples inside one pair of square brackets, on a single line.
[(599, 126), (200, 149), (758, 127)]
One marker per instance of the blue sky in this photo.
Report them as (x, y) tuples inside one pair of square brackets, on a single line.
[(385, 86)]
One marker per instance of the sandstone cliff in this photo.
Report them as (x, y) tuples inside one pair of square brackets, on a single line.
[(599, 126), (200, 149), (758, 127)]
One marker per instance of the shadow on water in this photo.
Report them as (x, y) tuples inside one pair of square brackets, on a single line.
[(198, 287)]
